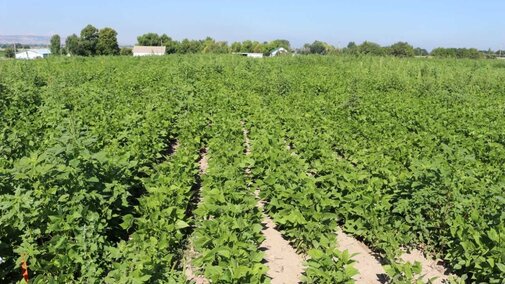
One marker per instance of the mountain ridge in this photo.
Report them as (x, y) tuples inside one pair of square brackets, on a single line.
[(25, 39)]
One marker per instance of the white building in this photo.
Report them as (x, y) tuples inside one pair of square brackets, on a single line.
[(250, 54), (149, 50), (279, 51), (33, 54)]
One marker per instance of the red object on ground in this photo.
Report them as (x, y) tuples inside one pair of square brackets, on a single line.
[(24, 269)]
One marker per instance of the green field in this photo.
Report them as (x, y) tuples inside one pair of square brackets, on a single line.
[(100, 177)]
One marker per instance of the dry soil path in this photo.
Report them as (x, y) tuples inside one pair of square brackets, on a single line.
[(190, 253), (285, 265)]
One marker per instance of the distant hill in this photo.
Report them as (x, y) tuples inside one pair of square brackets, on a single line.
[(25, 39)]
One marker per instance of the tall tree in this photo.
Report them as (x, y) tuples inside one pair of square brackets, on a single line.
[(10, 52), (89, 40), (55, 46), (190, 46), (107, 42), (279, 43), (211, 46), (72, 45), (236, 46), (351, 45), (420, 51), (149, 39), (247, 46), (170, 44), (317, 47), (371, 48), (401, 49)]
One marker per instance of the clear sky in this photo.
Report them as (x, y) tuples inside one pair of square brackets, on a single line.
[(428, 23)]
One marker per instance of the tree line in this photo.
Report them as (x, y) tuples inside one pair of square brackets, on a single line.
[(92, 42), (210, 45)]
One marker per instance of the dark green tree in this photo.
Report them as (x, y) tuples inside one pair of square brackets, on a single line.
[(89, 40), (247, 46), (351, 45), (279, 43), (55, 46), (72, 45), (212, 46), (259, 47), (107, 42), (149, 39), (457, 53), (401, 49), (10, 52), (170, 44), (420, 52), (370, 48), (190, 46), (236, 46), (317, 47), (352, 48)]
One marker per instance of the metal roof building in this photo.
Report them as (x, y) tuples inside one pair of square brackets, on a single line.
[(279, 51), (250, 54), (33, 54)]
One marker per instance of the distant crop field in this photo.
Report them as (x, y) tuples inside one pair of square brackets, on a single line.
[(163, 169)]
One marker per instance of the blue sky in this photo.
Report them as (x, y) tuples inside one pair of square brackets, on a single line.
[(428, 23)]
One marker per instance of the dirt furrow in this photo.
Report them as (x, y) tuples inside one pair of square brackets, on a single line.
[(369, 267), (190, 253), (431, 268), (284, 264)]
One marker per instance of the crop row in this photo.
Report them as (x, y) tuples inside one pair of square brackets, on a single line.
[(395, 185), (227, 235), (300, 210)]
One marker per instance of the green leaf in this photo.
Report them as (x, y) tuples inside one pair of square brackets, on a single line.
[(501, 266), (315, 253), (181, 224), (127, 221)]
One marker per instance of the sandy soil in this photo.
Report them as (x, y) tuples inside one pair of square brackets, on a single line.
[(189, 270), (284, 264), (431, 268), (369, 267), (204, 162)]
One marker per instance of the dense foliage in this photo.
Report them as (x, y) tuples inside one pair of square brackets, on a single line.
[(457, 53), (91, 42), (100, 182)]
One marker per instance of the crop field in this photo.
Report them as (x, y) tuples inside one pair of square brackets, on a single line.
[(164, 170)]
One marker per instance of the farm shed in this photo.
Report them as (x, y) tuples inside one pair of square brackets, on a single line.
[(33, 54), (250, 54), (148, 50), (279, 51)]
